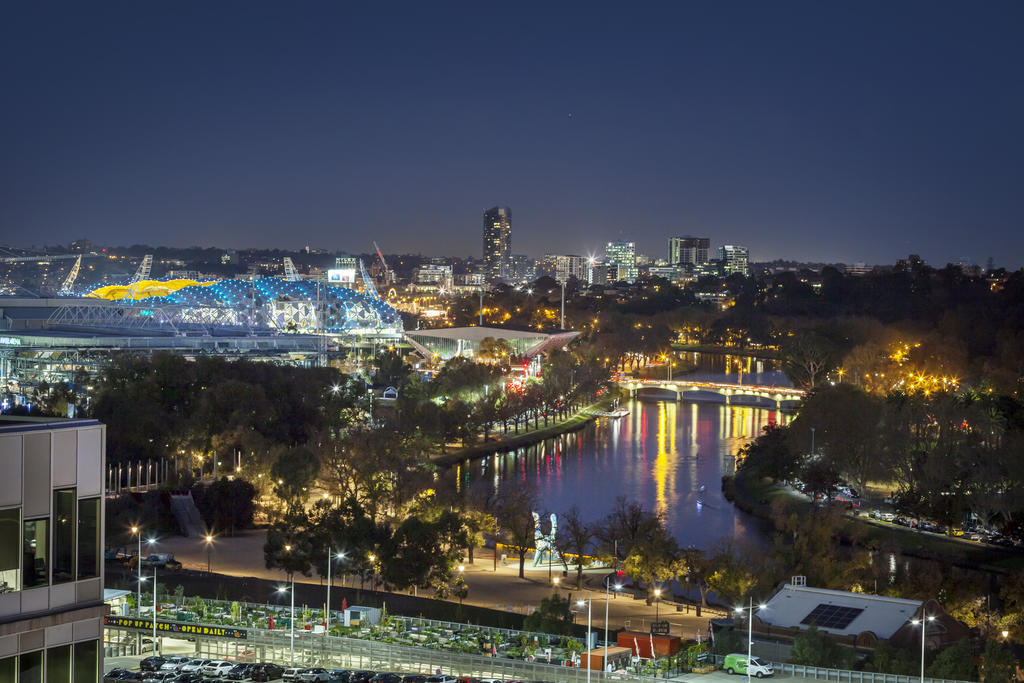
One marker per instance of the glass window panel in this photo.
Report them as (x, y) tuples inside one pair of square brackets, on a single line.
[(30, 667), (88, 538), (64, 535), (10, 556), (87, 664), (9, 669), (58, 664), (35, 553)]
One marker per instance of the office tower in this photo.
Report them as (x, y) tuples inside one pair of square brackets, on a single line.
[(620, 257), (497, 243), (734, 259), (561, 267), (51, 549), (692, 250)]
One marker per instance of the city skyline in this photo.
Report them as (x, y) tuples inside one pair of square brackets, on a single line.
[(803, 131)]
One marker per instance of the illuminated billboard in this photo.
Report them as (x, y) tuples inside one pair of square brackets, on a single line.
[(341, 276)]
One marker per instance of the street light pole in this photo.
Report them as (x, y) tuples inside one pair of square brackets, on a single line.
[(138, 572), (209, 548), (607, 590), (750, 630), (154, 609), (923, 621), (590, 605), (291, 622), (657, 603)]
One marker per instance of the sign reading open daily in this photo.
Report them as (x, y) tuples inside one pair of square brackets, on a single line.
[(176, 627)]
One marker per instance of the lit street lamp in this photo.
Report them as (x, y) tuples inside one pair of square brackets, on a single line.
[(327, 612), (607, 590), (138, 570), (291, 620), (209, 548), (590, 605), (657, 602), (750, 628), (924, 622)]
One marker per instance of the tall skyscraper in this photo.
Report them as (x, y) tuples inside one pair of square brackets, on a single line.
[(620, 257), (497, 243), (692, 250), (735, 260)]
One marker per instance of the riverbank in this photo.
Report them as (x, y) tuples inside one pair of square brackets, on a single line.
[(728, 350), (757, 498), (512, 442)]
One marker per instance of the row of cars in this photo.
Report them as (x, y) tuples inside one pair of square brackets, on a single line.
[(971, 532), (158, 669)]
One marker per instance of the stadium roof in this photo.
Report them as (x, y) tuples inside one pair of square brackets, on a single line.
[(447, 342)]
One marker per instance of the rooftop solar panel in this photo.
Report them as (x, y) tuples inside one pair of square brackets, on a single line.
[(832, 616)]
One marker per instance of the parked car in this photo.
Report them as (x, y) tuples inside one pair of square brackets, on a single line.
[(292, 673), (737, 664), (194, 665), (114, 675), (314, 675), (340, 675), (157, 676), (266, 671), (361, 676), (161, 561), (186, 678), (468, 679), (385, 677), (440, 679), (217, 668), (152, 663), (240, 672), (174, 664), (414, 678)]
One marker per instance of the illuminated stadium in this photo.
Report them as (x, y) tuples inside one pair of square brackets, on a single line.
[(268, 303), (296, 322)]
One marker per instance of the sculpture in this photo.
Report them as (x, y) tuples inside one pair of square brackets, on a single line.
[(545, 545)]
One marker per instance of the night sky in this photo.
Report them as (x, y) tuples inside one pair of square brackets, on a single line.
[(824, 131)]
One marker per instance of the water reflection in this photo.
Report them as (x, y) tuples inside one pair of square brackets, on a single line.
[(662, 454)]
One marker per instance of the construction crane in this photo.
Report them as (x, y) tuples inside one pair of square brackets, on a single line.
[(141, 274), (387, 271), (290, 273), (69, 282), (368, 281)]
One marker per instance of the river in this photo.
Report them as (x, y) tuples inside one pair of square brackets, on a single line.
[(670, 456)]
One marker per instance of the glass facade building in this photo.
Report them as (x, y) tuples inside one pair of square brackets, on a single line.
[(51, 540)]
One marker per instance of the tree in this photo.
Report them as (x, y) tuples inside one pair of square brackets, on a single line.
[(808, 357), (998, 665), (574, 538), (734, 578), (816, 648), (770, 455), (553, 616), (515, 505), (627, 525), (294, 471), (891, 660), (956, 662)]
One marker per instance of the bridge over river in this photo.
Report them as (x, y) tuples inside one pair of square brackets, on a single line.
[(699, 390)]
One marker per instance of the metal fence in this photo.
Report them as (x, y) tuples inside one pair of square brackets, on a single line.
[(843, 675)]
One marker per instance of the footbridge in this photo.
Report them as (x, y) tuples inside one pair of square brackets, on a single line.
[(690, 389)]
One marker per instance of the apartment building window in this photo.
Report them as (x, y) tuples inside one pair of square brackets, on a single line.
[(88, 538), (8, 669), (30, 667), (10, 556), (87, 662), (64, 523), (58, 664), (35, 553)]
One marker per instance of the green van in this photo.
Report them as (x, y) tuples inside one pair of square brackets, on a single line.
[(737, 664)]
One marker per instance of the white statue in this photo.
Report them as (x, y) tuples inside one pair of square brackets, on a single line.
[(545, 545)]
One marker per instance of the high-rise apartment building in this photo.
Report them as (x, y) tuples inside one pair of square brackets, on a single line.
[(497, 243), (521, 268), (51, 550), (564, 266), (735, 260), (692, 250), (620, 257)]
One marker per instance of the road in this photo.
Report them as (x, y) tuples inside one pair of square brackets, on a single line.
[(493, 587)]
